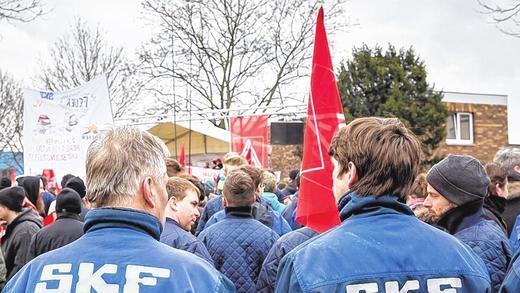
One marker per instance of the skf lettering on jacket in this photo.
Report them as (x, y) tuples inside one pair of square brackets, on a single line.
[(88, 278), (441, 285)]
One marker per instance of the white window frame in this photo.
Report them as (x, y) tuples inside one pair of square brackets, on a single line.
[(458, 140)]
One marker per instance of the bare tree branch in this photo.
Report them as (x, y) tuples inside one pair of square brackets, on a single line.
[(20, 10), (506, 14), (11, 115)]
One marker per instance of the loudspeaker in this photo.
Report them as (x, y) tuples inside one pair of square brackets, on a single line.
[(287, 132)]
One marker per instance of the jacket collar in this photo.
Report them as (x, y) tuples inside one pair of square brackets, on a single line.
[(355, 205), (239, 212), (123, 218), (68, 216), (462, 217)]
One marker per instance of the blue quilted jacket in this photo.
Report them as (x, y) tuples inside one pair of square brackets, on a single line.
[(514, 239), (381, 247), (120, 252), (238, 245), (467, 222), (286, 243), (176, 237), (267, 216), (212, 207)]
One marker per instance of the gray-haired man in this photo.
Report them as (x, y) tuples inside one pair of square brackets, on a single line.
[(509, 159), (120, 251)]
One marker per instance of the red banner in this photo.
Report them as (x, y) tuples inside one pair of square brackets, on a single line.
[(249, 136), (317, 208)]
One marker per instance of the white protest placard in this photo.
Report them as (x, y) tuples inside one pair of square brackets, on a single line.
[(59, 126)]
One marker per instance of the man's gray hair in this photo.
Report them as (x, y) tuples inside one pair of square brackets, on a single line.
[(118, 161), (508, 158)]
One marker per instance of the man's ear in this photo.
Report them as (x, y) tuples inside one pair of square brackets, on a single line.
[(172, 202), (517, 168), (148, 197), (224, 201), (352, 175)]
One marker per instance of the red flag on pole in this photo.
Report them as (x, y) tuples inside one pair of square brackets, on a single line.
[(317, 207), (182, 156)]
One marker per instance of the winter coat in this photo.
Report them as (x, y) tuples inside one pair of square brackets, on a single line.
[(266, 215), (493, 210), (2, 272), (273, 202), (120, 251), (267, 279), (66, 229), (17, 238), (175, 236), (511, 282), (289, 213), (212, 207), (467, 223), (375, 249), (512, 208), (238, 245), (514, 239)]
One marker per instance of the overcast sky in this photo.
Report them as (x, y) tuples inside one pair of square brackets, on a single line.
[(462, 50)]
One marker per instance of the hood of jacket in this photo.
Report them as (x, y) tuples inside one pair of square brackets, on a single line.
[(26, 215), (368, 205)]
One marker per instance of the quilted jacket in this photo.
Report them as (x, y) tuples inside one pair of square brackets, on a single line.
[(485, 237), (286, 243), (375, 249), (212, 207), (511, 282), (266, 215), (238, 245), (514, 239), (176, 237)]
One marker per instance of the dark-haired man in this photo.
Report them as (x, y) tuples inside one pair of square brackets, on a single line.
[(375, 248)]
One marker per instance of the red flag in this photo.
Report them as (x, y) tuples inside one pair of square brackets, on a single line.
[(12, 175), (182, 156), (317, 207), (252, 130)]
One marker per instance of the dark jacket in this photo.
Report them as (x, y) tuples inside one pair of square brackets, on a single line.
[(176, 237), (66, 229), (238, 245), (493, 209), (212, 207), (17, 238), (122, 247), (467, 223), (377, 246), (512, 208), (267, 279)]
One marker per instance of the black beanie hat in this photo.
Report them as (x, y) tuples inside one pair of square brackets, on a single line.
[(77, 185), (12, 198), (460, 179), (68, 201), (4, 183)]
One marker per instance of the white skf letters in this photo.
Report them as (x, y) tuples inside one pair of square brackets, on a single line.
[(59, 278), (440, 285)]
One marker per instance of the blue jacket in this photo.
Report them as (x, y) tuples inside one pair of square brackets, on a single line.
[(272, 200), (511, 282), (514, 239), (381, 246), (267, 279), (467, 222), (120, 251), (238, 245), (176, 237), (268, 217), (289, 213), (212, 207)]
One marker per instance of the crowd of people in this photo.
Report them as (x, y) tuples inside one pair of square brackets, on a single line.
[(139, 223)]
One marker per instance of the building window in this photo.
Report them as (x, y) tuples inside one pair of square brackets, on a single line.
[(460, 129)]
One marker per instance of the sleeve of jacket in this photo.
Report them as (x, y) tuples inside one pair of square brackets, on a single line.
[(226, 286), (198, 248), (31, 252), (202, 220), (23, 240), (286, 280), (496, 258), (267, 278), (511, 283), (514, 240)]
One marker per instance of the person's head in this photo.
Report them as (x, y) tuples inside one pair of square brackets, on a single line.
[(256, 176), (269, 181), (374, 156), (498, 180), (11, 203), (65, 179), (281, 185), (34, 188), (239, 190), (125, 168), (77, 184), (292, 176), (195, 181), (183, 201), (455, 181), (232, 161), (68, 201), (5, 183), (509, 158), (173, 167)]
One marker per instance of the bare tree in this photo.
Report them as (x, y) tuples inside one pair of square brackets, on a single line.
[(20, 10), (11, 114), (505, 13), (231, 52), (82, 55)]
